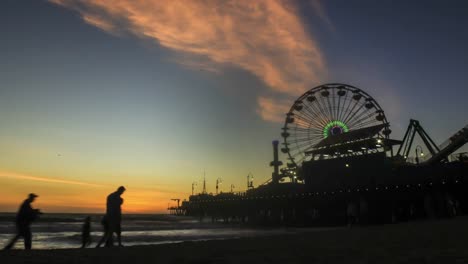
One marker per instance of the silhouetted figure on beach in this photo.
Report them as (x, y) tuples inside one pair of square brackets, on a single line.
[(25, 216), (114, 216), (86, 232)]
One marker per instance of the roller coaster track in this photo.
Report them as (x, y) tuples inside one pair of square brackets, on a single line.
[(436, 153), (449, 146)]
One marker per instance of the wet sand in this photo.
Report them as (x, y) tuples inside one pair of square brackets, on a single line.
[(435, 241)]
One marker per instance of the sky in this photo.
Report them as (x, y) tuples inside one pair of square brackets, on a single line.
[(152, 95)]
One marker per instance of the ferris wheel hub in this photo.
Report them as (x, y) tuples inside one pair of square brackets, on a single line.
[(334, 128)]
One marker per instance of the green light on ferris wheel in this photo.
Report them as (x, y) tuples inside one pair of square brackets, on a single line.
[(327, 130)]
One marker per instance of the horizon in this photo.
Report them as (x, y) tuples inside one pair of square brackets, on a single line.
[(98, 94), (91, 214)]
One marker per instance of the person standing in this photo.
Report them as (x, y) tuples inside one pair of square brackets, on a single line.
[(25, 216), (352, 213), (114, 215)]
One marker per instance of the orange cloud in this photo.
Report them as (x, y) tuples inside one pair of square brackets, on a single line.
[(263, 37), (272, 110), (45, 179), (98, 22)]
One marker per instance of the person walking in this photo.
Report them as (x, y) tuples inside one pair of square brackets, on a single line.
[(114, 216), (25, 216)]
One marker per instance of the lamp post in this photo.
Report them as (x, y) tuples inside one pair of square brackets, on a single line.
[(232, 188), (194, 184), (276, 163), (250, 178), (218, 182), (418, 147)]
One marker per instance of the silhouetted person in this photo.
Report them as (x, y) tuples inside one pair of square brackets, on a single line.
[(450, 205), (114, 215), (25, 216), (86, 232), (352, 213)]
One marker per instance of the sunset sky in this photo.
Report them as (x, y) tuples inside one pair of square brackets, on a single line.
[(149, 94)]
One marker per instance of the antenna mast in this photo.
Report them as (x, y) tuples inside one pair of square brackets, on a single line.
[(204, 182)]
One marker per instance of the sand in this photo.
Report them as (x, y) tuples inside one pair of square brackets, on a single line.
[(435, 241)]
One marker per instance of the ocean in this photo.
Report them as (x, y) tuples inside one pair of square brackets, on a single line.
[(53, 231)]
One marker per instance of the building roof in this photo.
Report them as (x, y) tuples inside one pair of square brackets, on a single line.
[(353, 135), (355, 141)]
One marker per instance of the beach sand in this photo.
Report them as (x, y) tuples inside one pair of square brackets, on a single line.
[(435, 241)]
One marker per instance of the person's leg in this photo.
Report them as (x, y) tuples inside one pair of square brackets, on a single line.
[(27, 238), (119, 237), (110, 239), (110, 234), (104, 238), (83, 241), (12, 242)]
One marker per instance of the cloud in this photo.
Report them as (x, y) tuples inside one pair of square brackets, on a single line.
[(272, 110), (98, 22), (319, 10), (264, 37), (46, 179), (81, 196)]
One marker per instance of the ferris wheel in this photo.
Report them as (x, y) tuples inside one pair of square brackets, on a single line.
[(324, 111)]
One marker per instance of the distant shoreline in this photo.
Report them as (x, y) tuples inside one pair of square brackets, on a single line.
[(103, 212), (434, 241)]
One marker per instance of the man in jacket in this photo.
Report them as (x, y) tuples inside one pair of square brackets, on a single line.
[(25, 216)]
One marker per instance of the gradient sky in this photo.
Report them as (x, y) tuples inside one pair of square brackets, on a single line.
[(148, 94)]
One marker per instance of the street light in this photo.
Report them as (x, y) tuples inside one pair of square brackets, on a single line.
[(416, 152), (250, 179), (218, 182), (194, 184), (232, 187)]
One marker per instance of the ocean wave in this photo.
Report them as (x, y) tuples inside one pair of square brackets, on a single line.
[(62, 232)]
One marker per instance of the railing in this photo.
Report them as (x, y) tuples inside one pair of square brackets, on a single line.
[(267, 182), (458, 156)]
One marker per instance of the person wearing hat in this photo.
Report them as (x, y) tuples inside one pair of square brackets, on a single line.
[(114, 215), (25, 216)]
